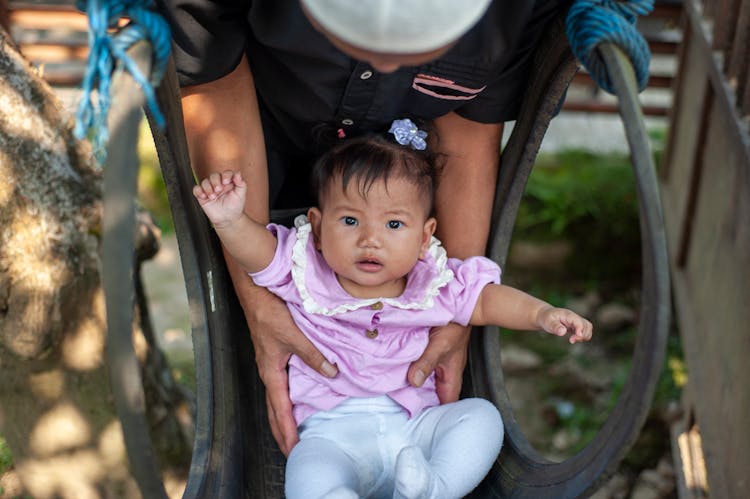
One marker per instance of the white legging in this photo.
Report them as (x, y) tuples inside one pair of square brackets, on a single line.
[(351, 450)]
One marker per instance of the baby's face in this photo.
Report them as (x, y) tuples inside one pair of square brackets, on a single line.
[(373, 241)]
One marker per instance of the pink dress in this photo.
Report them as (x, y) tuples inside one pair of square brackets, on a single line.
[(371, 341)]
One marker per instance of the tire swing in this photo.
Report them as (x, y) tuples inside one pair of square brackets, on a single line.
[(234, 454)]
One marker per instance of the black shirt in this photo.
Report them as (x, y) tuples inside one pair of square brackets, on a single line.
[(302, 80)]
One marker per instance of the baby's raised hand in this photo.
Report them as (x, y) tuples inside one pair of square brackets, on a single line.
[(561, 321), (222, 197)]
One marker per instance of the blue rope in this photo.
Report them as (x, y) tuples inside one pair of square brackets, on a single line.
[(591, 22), (106, 50)]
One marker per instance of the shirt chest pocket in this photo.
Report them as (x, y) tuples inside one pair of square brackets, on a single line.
[(439, 89)]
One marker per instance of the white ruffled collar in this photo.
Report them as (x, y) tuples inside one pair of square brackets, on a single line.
[(322, 293)]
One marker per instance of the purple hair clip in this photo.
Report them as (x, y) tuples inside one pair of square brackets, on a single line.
[(407, 133)]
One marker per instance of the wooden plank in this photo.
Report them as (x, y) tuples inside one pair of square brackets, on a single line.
[(684, 138), (654, 81), (717, 275), (43, 4), (688, 458), (591, 106), (49, 19), (667, 10), (663, 46), (724, 92), (710, 213), (4, 15), (723, 15), (677, 96), (54, 53), (739, 56), (693, 182)]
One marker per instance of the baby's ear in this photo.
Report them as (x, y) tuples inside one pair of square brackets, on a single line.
[(315, 216), (427, 231)]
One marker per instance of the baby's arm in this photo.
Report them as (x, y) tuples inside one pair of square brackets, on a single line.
[(508, 307), (222, 198)]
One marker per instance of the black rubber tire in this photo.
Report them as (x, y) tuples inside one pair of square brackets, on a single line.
[(520, 471), (234, 455)]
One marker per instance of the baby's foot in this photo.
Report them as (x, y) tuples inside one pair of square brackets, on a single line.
[(413, 478)]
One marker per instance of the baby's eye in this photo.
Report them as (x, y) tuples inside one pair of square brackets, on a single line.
[(395, 224), (349, 221)]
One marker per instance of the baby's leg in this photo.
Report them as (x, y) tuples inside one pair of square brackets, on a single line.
[(317, 468), (459, 442)]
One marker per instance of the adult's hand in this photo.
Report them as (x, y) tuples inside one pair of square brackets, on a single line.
[(275, 338), (446, 356)]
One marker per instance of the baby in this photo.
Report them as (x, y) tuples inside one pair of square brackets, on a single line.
[(365, 280)]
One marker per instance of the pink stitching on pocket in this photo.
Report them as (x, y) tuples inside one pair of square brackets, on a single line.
[(434, 81)]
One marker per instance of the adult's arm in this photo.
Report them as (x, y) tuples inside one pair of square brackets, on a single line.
[(223, 130), (463, 206)]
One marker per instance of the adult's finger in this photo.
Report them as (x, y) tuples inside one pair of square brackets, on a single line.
[(275, 336), (280, 417), (305, 350), (446, 356)]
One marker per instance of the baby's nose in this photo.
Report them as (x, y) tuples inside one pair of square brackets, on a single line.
[(369, 238)]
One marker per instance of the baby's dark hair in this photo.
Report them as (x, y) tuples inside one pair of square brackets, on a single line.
[(369, 158)]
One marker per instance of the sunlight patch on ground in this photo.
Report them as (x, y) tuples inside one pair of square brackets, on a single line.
[(60, 429), (83, 348), (47, 385)]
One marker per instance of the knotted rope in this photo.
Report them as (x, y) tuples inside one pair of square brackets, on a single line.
[(108, 51), (591, 22)]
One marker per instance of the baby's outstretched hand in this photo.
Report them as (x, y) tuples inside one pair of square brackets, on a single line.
[(222, 197), (561, 321)]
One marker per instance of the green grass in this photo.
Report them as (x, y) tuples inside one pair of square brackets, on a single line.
[(575, 187), (6, 459), (590, 201)]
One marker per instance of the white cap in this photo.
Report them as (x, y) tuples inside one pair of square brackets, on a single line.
[(396, 26)]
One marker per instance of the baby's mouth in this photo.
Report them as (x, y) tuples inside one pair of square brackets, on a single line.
[(369, 265)]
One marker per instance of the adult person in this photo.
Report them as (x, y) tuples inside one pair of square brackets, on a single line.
[(259, 77)]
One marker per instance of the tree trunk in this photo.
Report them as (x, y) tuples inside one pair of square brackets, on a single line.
[(56, 411)]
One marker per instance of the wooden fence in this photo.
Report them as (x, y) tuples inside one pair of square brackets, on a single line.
[(705, 178)]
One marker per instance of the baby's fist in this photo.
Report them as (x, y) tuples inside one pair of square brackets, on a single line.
[(561, 321)]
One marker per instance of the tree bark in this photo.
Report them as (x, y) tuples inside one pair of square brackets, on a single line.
[(56, 411)]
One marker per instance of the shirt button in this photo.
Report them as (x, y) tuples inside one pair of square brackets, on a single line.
[(347, 122), (366, 75), (377, 306), (371, 333)]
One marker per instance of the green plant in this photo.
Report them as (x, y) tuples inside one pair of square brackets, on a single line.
[(6, 458), (574, 187), (590, 200)]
